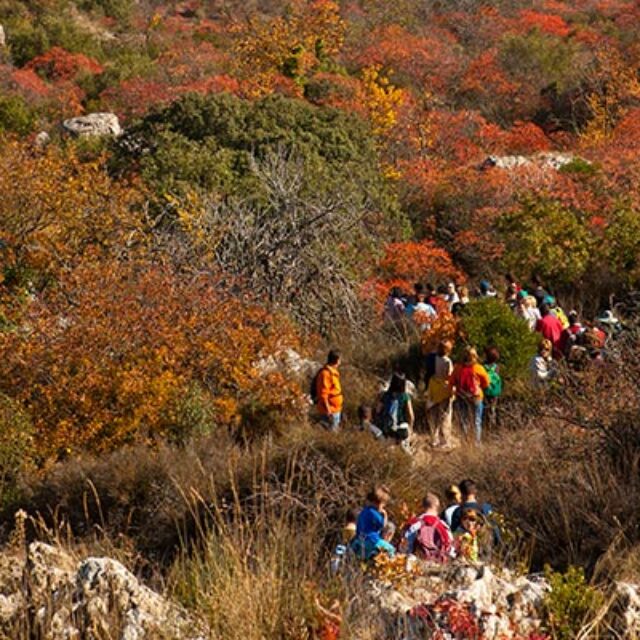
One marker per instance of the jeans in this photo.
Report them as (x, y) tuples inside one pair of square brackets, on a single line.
[(332, 421), (471, 413)]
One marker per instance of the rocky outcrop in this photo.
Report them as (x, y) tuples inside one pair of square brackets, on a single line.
[(500, 605), (64, 599), (547, 160), (93, 125), (3, 38)]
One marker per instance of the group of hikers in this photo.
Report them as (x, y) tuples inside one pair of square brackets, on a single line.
[(461, 528), (470, 388)]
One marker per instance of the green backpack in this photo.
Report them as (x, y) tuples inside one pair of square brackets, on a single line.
[(495, 381)]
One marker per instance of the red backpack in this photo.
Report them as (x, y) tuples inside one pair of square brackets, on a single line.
[(467, 382), (429, 544)]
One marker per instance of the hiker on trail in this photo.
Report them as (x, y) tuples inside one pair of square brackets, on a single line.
[(422, 313), (465, 537), (394, 307), (571, 336), (370, 523), (395, 409), (511, 297), (432, 296), (527, 309), (557, 311), (329, 392), (418, 289), (453, 499), (464, 295), (542, 367), (512, 282), (365, 417), (469, 491), (452, 295), (469, 379), (494, 390), (426, 535), (609, 323), (550, 328), (538, 291), (486, 290), (439, 396)]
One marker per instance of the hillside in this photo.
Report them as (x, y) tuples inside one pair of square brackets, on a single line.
[(199, 199)]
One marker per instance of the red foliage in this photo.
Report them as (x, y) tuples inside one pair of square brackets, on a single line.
[(30, 82), (551, 24), (58, 64)]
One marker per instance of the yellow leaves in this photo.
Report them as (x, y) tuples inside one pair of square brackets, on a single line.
[(381, 99), (289, 45), (614, 84)]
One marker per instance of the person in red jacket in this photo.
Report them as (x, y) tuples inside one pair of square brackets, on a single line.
[(551, 329)]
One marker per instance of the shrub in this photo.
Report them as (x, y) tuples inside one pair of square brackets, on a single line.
[(15, 115), (488, 322), (16, 448), (570, 604)]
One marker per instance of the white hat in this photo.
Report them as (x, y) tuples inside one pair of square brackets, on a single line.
[(608, 318)]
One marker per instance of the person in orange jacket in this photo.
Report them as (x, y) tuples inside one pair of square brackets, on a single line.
[(469, 380), (329, 392)]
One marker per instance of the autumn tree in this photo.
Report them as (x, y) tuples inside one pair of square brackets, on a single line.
[(55, 209), (113, 352)]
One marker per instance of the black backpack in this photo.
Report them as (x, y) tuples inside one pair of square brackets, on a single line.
[(313, 386)]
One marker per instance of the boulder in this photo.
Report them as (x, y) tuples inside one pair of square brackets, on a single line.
[(93, 125), (627, 610), (3, 38), (64, 599), (503, 605), (544, 160)]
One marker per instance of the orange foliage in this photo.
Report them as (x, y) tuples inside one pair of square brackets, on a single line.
[(109, 354), (54, 208)]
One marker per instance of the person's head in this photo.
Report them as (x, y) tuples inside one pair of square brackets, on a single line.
[(333, 358), (522, 296), (395, 292), (469, 356), (350, 516), (442, 290), (544, 348), (451, 288), (445, 347), (512, 291), (544, 310), (485, 286), (431, 503), (573, 318), (365, 413), (421, 297), (388, 531), (471, 520), (379, 496), (531, 302), (468, 489), (492, 355), (398, 383), (431, 289), (453, 495), (464, 292), (509, 278), (418, 288)]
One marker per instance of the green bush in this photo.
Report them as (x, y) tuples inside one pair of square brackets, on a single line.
[(15, 115), (488, 322), (570, 604), (547, 238), (16, 450)]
